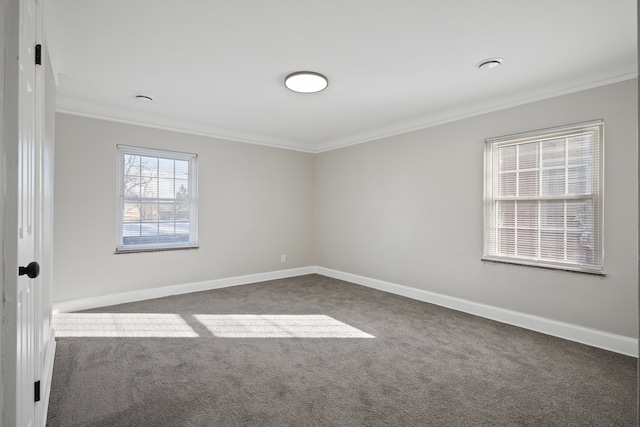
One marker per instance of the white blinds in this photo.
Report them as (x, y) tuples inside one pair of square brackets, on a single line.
[(543, 198)]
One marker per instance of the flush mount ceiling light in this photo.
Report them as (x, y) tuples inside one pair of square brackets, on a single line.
[(489, 63), (306, 82), (143, 98)]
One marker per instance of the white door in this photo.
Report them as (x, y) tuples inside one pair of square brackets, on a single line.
[(28, 151)]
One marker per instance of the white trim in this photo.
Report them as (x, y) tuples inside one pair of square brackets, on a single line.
[(593, 337), (165, 291), (185, 128), (466, 113), (47, 375)]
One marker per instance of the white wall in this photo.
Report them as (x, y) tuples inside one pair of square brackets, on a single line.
[(255, 203), (408, 210), (388, 209)]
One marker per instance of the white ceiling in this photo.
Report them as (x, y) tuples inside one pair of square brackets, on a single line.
[(216, 67)]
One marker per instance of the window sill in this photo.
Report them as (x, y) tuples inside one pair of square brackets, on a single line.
[(138, 250), (560, 267)]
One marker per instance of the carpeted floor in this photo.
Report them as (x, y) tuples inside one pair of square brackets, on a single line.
[(426, 365)]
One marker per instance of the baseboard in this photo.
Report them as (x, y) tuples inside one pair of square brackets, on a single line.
[(165, 291), (592, 337), (45, 384)]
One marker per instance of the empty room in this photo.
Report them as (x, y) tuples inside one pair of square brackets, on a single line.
[(342, 213)]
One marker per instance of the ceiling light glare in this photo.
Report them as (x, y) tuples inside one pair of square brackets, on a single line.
[(306, 82), (143, 98), (489, 63)]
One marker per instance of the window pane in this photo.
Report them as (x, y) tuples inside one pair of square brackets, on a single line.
[(553, 182), (528, 156), (528, 183), (165, 168), (149, 166), (166, 228), (552, 245), (527, 243), (131, 212), (148, 211), (165, 188), (506, 213), (580, 215), (507, 184), (579, 180), (182, 169), (182, 211), (580, 239), (149, 188), (182, 228), (553, 152), (506, 241), (149, 229), (131, 165), (132, 186), (181, 188), (527, 214), (552, 215), (577, 252), (166, 211), (507, 158), (130, 229), (579, 149)]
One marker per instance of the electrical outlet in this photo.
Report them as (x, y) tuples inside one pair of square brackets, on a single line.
[(283, 258)]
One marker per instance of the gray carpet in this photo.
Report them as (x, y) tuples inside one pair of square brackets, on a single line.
[(427, 365)]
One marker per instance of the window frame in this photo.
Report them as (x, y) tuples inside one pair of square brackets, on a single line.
[(191, 158), (490, 217)]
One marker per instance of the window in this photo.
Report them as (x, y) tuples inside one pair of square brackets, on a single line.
[(157, 200), (543, 198)]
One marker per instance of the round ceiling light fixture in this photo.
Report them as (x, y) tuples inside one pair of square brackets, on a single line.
[(306, 82), (143, 98), (489, 63)]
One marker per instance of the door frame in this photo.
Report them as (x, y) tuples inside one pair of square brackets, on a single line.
[(9, 161)]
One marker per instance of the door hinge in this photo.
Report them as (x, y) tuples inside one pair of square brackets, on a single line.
[(36, 391), (38, 54)]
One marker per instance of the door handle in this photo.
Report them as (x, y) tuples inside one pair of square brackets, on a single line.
[(32, 270)]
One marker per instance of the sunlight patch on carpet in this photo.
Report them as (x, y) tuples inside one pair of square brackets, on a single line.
[(121, 325), (277, 326)]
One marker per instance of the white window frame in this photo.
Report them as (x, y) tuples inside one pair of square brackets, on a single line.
[(192, 198), (491, 198)]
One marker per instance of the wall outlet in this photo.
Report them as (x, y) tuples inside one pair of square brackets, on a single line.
[(283, 258)]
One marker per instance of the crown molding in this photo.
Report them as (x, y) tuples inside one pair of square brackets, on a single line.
[(83, 108), (460, 114)]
